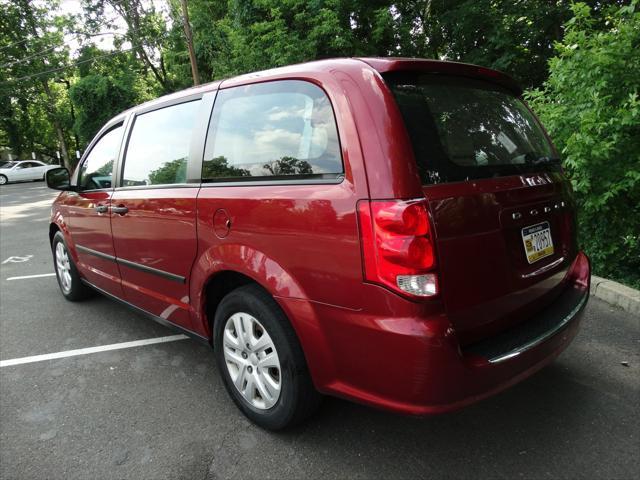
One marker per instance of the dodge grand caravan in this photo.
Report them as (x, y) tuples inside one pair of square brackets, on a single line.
[(396, 232)]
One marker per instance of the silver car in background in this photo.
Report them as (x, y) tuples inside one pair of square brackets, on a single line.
[(22, 171)]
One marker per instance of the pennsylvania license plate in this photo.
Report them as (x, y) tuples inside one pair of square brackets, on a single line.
[(537, 241)]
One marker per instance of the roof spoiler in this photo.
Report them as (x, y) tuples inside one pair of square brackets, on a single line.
[(385, 65)]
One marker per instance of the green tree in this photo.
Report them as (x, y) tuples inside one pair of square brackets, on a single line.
[(174, 171), (516, 36), (219, 167), (157, 46), (591, 106), (97, 98), (289, 166), (32, 102), (254, 35)]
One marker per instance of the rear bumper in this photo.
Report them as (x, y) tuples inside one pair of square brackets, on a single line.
[(412, 363), (532, 333)]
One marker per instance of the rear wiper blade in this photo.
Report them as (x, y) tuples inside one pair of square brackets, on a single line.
[(541, 160)]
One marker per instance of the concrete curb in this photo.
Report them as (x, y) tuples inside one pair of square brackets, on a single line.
[(616, 294)]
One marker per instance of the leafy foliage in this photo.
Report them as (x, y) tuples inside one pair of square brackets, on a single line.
[(34, 110), (219, 167), (174, 171), (289, 166), (96, 98), (591, 106)]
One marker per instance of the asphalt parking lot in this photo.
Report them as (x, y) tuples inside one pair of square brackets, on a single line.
[(160, 410)]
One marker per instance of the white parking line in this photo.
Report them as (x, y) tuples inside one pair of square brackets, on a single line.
[(31, 276), (86, 351)]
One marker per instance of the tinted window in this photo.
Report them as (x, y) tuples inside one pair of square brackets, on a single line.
[(274, 129), (159, 146), (97, 169), (462, 129)]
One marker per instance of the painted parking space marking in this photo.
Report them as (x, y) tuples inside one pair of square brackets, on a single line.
[(87, 351), (18, 259), (24, 277)]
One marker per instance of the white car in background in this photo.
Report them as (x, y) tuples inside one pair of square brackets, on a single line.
[(21, 171)]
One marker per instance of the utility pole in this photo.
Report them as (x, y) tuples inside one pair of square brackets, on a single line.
[(192, 52)]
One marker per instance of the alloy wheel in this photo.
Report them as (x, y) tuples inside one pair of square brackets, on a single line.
[(252, 361)]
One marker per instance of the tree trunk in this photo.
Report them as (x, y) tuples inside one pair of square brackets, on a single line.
[(53, 117), (187, 33), (131, 15)]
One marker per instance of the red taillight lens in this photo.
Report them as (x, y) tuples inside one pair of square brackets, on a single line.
[(401, 217), (397, 245)]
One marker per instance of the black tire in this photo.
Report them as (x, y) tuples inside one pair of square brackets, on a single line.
[(298, 397), (77, 290), (3, 180)]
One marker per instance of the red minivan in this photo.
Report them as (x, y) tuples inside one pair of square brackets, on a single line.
[(396, 232)]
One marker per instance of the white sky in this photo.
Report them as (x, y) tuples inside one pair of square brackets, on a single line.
[(104, 42)]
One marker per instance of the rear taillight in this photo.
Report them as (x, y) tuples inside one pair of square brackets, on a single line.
[(397, 246)]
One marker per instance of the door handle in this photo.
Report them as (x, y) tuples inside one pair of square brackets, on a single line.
[(120, 210), (102, 208)]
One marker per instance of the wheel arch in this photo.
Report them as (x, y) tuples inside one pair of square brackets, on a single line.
[(225, 281), (223, 267), (53, 229), (216, 288), (58, 223)]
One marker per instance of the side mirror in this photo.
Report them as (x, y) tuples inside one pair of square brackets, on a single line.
[(59, 179)]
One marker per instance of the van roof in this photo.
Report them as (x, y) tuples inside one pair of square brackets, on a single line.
[(380, 64)]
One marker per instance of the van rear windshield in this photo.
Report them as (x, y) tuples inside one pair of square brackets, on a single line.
[(463, 129)]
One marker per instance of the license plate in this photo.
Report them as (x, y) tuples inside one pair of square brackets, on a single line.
[(537, 241)]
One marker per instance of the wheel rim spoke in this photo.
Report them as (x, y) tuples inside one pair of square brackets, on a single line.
[(231, 341), (271, 360), (240, 378), (233, 357), (252, 360), (273, 384), (63, 267), (247, 328), (237, 325), (249, 388), (265, 392), (260, 344)]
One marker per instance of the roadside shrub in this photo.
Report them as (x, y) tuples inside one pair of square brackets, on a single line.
[(591, 107)]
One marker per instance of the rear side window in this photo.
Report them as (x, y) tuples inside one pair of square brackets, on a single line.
[(272, 130), (158, 147), (96, 171), (463, 129)]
